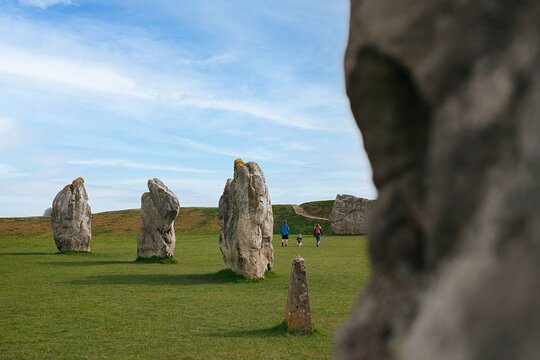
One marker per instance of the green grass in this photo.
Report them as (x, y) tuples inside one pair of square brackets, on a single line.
[(318, 208), (104, 305)]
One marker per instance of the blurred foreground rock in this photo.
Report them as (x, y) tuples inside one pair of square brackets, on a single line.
[(298, 312), (447, 96), (71, 218), (159, 209), (350, 215), (246, 221)]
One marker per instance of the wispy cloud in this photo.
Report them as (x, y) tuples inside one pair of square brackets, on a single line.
[(254, 108), (86, 75), (6, 125), (137, 165), (7, 171), (43, 4), (246, 154), (12, 134), (69, 72)]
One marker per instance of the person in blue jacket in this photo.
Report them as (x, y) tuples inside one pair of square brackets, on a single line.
[(284, 234)]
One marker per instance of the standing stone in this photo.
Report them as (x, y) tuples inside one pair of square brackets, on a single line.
[(71, 218), (350, 215), (447, 96), (298, 313), (246, 221), (159, 209)]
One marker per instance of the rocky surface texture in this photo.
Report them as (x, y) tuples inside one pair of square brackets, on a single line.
[(71, 218), (159, 209), (350, 215), (246, 221), (447, 96), (298, 313)]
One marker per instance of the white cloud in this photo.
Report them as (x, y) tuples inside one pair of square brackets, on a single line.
[(6, 125), (136, 165), (8, 171), (70, 72), (247, 154), (86, 75), (267, 112), (12, 134), (43, 4)]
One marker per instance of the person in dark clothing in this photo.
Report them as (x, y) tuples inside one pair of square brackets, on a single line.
[(284, 234)]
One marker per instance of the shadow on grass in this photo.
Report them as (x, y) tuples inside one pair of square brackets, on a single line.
[(277, 330), (220, 277), (155, 260), (26, 254), (91, 263)]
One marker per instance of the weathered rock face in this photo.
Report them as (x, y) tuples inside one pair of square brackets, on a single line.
[(298, 313), (159, 209), (71, 218), (350, 215), (246, 221), (447, 96)]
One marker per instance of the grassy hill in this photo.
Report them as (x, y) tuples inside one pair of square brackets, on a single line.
[(296, 223), (104, 305), (190, 221), (318, 208)]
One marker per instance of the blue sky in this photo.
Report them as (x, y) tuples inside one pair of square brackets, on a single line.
[(122, 91)]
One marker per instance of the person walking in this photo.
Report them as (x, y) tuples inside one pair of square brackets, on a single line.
[(299, 239), (284, 234), (317, 232)]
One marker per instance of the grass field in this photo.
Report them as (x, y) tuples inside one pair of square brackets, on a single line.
[(103, 305)]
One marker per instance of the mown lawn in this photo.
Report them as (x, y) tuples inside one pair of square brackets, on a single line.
[(104, 306)]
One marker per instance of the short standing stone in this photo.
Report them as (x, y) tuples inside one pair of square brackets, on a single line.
[(298, 313), (159, 209), (71, 218), (246, 221)]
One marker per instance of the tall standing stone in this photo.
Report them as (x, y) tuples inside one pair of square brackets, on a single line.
[(298, 313), (71, 218), (246, 221), (159, 209), (447, 96), (350, 215)]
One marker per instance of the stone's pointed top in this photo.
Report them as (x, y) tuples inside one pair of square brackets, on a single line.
[(155, 181), (163, 197), (299, 266), (78, 180), (239, 162)]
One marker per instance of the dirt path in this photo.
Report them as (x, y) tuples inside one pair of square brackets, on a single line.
[(299, 211)]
